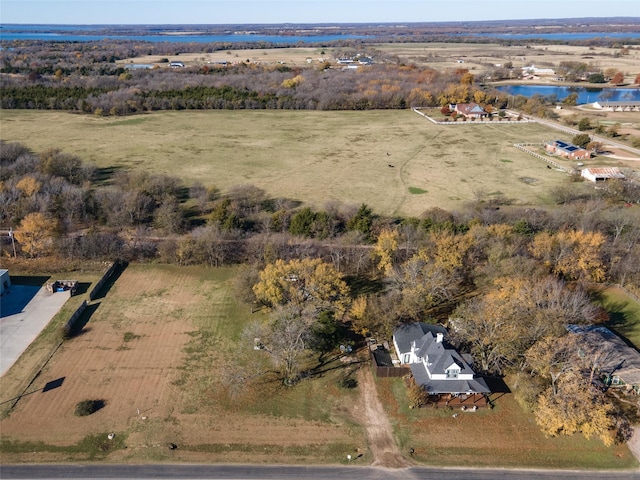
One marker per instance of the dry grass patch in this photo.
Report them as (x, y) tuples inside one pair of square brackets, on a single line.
[(309, 156), (505, 436)]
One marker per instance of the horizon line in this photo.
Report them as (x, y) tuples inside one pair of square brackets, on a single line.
[(453, 22)]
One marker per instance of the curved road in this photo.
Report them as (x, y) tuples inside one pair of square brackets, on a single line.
[(250, 472)]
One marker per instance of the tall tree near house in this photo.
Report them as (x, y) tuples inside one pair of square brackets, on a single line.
[(385, 250), (575, 407), (285, 338), (574, 254), (35, 234), (423, 283), (552, 357), (499, 327), (581, 139), (300, 283)]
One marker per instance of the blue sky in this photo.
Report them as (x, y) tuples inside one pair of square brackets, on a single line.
[(301, 11)]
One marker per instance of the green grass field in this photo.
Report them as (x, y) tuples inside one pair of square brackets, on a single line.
[(397, 162), (624, 313)]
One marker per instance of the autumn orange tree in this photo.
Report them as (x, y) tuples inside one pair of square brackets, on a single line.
[(577, 407), (385, 249), (303, 282), (500, 326), (35, 234), (617, 78), (573, 254)]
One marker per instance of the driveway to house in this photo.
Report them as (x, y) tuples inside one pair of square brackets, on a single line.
[(19, 329), (370, 412)]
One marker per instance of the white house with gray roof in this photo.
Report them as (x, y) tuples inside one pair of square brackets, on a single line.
[(439, 369)]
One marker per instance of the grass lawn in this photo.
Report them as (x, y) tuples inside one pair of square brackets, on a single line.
[(308, 155), (504, 436), (624, 313)]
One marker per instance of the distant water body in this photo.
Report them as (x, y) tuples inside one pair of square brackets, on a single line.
[(58, 33), (87, 33), (585, 95)]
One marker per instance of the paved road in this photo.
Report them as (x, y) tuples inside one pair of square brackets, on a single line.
[(250, 472)]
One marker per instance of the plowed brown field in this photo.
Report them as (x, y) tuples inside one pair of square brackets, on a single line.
[(132, 354)]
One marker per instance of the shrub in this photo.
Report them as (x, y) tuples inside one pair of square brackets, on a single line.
[(87, 407)]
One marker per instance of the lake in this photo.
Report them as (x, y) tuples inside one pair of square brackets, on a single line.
[(157, 33), (248, 38), (585, 95)]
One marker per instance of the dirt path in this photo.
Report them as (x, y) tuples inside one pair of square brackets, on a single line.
[(379, 432)]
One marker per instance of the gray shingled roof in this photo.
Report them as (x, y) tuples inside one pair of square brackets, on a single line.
[(408, 332), (421, 377), (619, 358)]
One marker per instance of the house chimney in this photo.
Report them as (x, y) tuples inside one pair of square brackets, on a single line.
[(439, 337)]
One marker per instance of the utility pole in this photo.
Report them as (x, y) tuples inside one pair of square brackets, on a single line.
[(9, 233)]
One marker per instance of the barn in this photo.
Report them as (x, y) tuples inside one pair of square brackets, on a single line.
[(601, 174)]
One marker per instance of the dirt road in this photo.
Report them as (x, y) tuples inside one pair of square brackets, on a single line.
[(379, 432)]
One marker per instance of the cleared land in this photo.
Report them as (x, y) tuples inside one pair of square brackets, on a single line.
[(154, 350), (397, 162)]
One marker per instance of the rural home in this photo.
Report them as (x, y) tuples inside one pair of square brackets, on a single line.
[(618, 364), (443, 373), (567, 150), (601, 174), (469, 110)]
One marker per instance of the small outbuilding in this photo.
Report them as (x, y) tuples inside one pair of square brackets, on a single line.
[(601, 174)]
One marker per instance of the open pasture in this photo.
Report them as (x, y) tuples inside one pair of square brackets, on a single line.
[(397, 162), (153, 351)]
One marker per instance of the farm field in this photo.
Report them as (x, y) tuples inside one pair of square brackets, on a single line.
[(153, 351), (478, 58), (397, 162)]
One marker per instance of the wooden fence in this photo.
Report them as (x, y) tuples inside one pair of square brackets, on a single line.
[(522, 146), (94, 292), (385, 371), (70, 325)]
